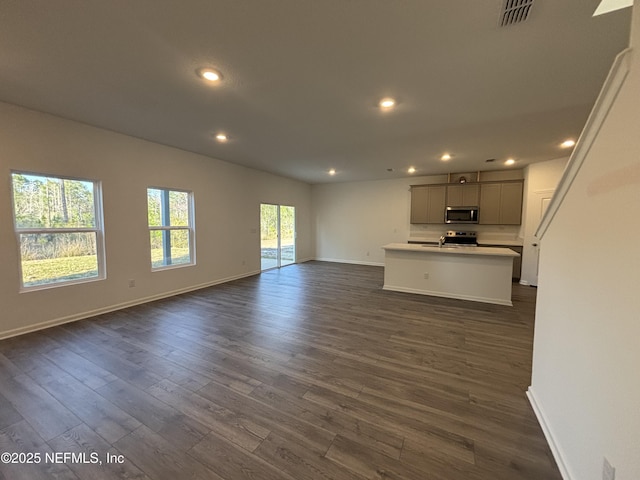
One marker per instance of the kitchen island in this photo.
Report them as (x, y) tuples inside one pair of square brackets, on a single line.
[(480, 274)]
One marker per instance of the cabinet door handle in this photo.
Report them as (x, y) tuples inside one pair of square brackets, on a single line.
[(534, 244)]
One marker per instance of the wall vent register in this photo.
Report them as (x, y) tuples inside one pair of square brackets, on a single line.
[(515, 11)]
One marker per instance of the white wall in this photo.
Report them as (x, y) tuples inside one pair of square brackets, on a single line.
[(354, 220), (585, 381), (539, 177), (227, 199)]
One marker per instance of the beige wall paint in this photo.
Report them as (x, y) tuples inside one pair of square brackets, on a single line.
[(587, 339), (227, 199)]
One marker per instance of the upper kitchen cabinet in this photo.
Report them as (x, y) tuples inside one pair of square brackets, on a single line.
[(463, 195), (428, 203), (501, 203)]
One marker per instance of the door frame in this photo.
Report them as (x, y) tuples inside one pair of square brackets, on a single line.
[(278, 236), (531, 242)]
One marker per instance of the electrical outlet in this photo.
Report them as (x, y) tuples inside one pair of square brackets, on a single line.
[(608, 472), (132, 283), (426, 276)]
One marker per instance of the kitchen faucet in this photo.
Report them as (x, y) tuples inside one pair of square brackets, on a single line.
[(441, 241)]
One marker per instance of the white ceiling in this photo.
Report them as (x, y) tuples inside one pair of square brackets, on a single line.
[(302, 78)]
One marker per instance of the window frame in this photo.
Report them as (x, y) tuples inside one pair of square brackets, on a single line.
[(190, 228), (98, 229)]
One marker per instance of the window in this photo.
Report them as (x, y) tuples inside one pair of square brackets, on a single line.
[(58, 224), (170, 227)]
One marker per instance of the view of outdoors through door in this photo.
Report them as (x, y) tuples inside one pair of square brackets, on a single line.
[(277, 235)]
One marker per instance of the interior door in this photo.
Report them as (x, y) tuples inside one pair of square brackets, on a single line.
[(541, 203)]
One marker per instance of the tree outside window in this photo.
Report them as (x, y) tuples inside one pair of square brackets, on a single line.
[(170, 227), (58, 225)]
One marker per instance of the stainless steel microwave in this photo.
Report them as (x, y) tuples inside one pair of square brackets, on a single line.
[(461, 215)]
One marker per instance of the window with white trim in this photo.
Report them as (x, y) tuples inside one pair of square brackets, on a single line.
[(171, 231), (59, 230)]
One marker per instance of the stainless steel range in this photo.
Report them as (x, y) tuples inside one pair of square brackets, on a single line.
[(460, 238)]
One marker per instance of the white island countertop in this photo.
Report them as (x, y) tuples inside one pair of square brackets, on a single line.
[(452, 250)]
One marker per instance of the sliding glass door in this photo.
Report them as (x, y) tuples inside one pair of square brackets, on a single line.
[(277, 236), (287, 235)]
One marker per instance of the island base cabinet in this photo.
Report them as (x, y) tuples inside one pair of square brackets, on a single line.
[(431, 271)]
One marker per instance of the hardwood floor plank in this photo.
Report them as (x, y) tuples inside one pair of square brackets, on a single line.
[(161, 459), (107, 360), (234, 463), (104, 417), (209, 368), (271, 418), (82, 440), (298, 462), (21, 438), (310, 372), (374, 436), (43, 412), (156, 415), (8, 414), (402, 422), (234, 427), (370, 464), (85, 371), (7, 368), (141, 355)]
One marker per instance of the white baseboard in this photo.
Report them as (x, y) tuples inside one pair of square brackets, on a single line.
[(495, 301), (112, 308), (352, 262), (304, 260), (553, 445)]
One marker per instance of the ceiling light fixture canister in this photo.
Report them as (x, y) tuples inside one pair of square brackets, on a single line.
[(387, 103), (209, 74)]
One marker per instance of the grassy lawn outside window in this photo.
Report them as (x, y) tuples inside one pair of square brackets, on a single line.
[(58, 225)]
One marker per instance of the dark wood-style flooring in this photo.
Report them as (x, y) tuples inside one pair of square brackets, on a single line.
[(309, 372)]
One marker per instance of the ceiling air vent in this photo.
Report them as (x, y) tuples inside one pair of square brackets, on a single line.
[(515, 11)]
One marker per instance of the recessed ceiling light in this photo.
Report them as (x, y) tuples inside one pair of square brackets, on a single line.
[(332, 171), (510, 161), (411, 170), (209, 74), (568, 143), (221, 137), (387, 103), (445, 157)]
